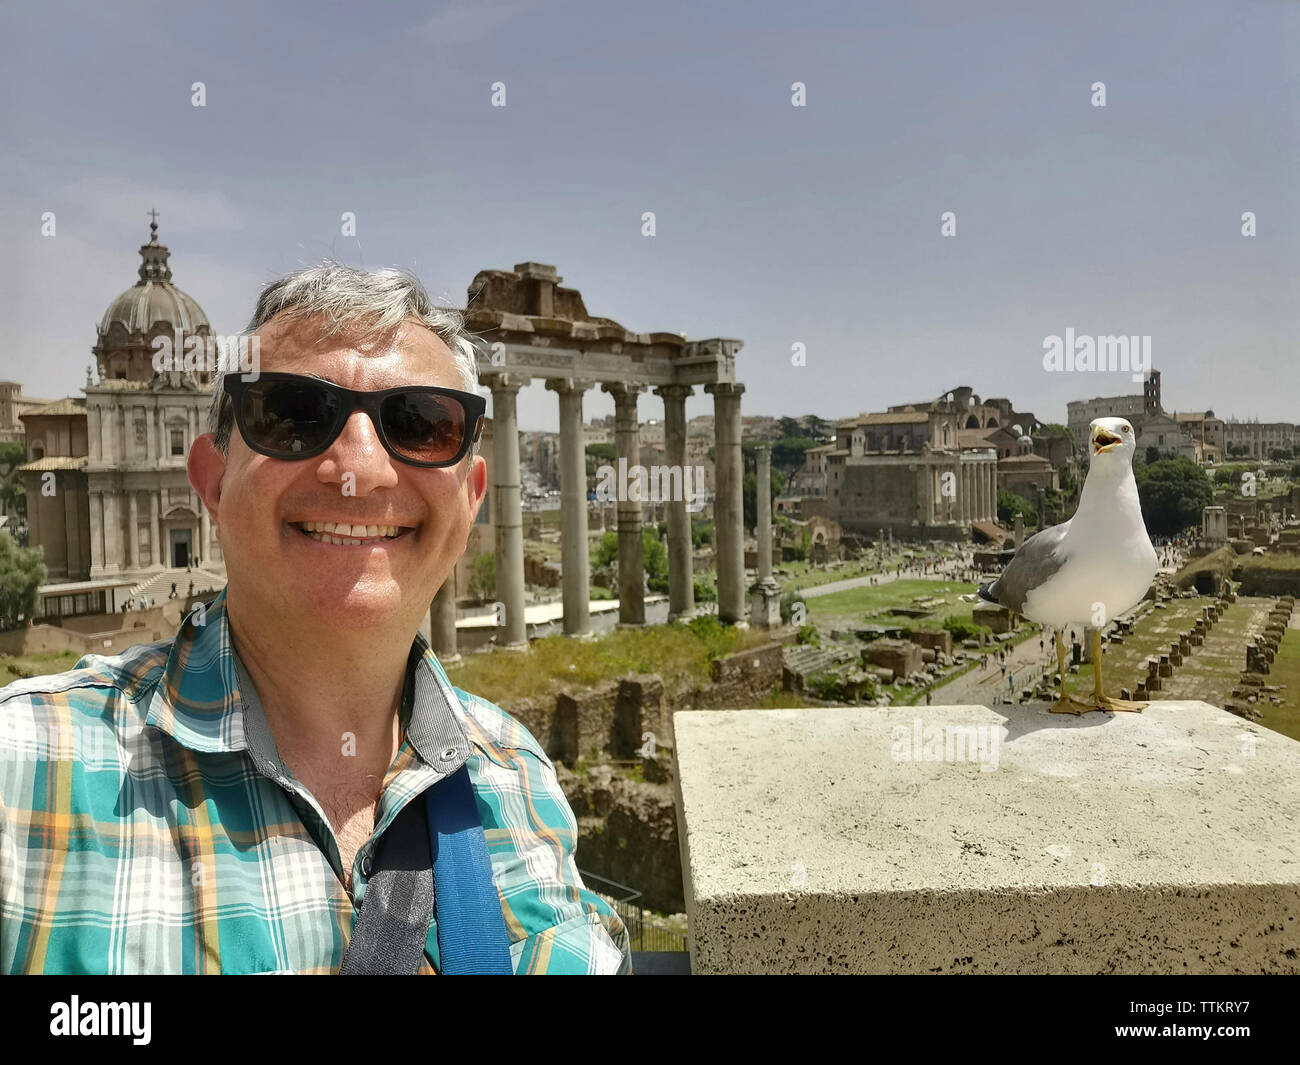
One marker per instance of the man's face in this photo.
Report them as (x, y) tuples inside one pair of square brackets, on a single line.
[(258, 502)]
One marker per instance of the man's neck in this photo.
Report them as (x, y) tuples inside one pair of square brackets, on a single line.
[(333, 702)]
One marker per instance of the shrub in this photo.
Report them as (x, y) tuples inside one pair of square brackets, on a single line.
[(962, 629), (826, 685)]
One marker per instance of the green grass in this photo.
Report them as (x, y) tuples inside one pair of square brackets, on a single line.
[(876, 601), (1211, 671), (1285, 671), (680, 655), (16, 667)]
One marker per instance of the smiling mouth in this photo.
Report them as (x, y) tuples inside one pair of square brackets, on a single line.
[(340, 534)]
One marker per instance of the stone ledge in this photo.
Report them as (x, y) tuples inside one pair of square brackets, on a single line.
[(1161, 842)]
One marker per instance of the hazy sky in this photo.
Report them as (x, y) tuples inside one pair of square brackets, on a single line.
[(776, 224)]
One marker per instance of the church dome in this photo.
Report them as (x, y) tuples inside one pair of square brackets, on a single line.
[(153, 299)]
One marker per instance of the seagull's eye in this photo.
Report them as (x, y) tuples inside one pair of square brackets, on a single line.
[(1123, 428)]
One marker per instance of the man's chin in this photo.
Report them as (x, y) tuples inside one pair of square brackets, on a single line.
[(360, 605)]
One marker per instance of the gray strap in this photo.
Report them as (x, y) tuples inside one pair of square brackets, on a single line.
[(393, 921)]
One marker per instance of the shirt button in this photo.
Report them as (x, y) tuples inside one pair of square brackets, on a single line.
[(448, 754)]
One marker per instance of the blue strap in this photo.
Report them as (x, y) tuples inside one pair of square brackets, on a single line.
[(472, 935)]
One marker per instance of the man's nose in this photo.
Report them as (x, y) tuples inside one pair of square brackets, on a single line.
[(357, 461)]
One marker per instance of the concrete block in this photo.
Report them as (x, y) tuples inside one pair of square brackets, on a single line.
[(1124, 843)]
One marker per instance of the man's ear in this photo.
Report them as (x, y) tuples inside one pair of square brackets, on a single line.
[(206, 466), (476, 485)]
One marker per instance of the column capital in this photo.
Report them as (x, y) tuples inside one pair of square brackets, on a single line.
[(623, 390), (504, 382), (567, 385), (718, 389), (678, 392)]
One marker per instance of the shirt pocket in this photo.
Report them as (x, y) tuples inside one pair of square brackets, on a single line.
[(580, 946)]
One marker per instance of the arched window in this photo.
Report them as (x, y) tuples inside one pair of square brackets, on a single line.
[(972, 422)]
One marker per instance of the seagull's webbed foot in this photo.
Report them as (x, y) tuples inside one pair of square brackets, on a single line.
[(1106, 702), (1068, 704)]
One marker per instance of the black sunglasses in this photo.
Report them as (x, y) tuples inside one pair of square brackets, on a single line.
[(291, 416)]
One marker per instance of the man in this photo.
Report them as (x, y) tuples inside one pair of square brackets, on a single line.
[(214, 803)]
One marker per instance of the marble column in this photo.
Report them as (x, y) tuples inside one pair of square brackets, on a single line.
[(155, 529), (507, 506), (96, 514), (681, 569), (765, 594), (729, 510), (575, 558), (631, 555), (133, 530), (154, 452), (112, 533), (105, 429), (442, 621), (92, 433)]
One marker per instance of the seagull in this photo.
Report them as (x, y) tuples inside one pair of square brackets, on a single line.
[(1091, 568)]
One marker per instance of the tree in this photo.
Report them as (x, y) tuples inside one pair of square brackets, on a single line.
[(818, 428), (654, 557), (483, 576), (13, 498), (1010, 504), (788, 453), (599, 455), (22, 572), (655, 560), (789, 427), (1172, 493)]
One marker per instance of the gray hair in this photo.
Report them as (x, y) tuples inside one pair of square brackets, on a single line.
[(363, 302)]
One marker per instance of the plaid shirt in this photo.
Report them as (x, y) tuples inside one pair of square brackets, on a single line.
[(148, 825)]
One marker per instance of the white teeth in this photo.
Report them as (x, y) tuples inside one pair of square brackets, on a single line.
[(330, 532)]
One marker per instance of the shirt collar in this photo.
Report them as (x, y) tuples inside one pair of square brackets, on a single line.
[(199, 700)]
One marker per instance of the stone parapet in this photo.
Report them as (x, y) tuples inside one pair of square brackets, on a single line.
[(828, 841)]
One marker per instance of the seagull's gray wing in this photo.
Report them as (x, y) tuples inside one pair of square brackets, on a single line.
[(1038, 558)]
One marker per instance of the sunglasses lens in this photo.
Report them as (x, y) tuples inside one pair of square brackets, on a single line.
[(288, 417), (424, 426)]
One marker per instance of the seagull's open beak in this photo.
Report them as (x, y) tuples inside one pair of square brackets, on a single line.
[(1104, 440)]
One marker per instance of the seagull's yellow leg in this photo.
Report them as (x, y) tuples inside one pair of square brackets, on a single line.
[(1100, 700), (1066, 703)]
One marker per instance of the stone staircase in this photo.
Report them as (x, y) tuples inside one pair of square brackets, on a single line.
[(157, 586), (803, 660)]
